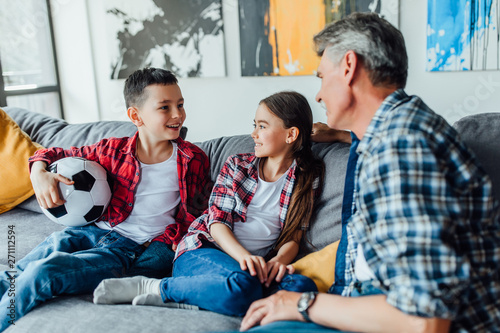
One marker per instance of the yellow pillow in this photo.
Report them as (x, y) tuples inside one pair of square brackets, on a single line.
[(15, 149), (319, 266)]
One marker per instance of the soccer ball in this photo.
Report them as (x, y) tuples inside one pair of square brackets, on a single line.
[(86, 199)]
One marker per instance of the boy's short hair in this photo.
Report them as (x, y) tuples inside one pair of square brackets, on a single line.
[(140, 79)]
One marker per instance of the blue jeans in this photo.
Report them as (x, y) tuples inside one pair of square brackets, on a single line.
[(155, 262), (361, 289), (71, 261), (213, 280)]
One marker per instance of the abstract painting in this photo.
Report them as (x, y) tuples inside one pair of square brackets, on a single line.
[(463, 35), (276, 35), (186, 37)]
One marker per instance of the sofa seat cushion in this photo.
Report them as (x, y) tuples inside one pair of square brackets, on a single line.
[(60, 314)]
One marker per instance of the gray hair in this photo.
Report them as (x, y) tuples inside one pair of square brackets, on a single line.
[(377, 43)]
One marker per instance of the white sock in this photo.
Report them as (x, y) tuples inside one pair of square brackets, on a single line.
[(112, 291), (156, 300)]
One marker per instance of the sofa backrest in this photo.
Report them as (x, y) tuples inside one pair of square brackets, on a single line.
[(481, 133), (54, 132)]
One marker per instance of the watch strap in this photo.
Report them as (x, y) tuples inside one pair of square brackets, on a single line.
[(306, 300)]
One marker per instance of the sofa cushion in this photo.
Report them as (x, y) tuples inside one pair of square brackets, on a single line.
[(319, 266), (77, 314), (481, 133), (15, 149)]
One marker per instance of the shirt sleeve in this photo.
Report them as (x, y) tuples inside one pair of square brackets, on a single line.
[(410, 211), (222, 202), (50, 155)]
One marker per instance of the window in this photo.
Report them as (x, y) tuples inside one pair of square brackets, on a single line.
[(27, 57)]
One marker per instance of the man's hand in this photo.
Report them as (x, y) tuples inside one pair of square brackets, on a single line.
[(45, 185), (280, 306), (322, 133)]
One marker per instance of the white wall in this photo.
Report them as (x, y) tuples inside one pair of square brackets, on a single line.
[(225, 106)]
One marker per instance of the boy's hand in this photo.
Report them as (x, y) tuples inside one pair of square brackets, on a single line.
[(256, 265), (277, 270), (45, 185)]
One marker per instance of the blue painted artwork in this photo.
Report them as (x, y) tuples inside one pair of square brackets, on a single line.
[(463, 35)]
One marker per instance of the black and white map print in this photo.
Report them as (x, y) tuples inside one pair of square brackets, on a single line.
[(184, 36)]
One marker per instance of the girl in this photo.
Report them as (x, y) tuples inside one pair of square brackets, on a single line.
[(258, 210)]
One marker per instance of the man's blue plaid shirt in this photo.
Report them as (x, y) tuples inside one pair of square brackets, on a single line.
[(424, 213)]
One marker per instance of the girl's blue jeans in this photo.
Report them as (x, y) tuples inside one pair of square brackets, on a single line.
[(213, 280), (71, 261)]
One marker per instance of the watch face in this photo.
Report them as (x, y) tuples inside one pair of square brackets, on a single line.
[(304, 300), (302, 303)]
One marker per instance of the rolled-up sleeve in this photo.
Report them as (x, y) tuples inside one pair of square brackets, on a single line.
[(222, 202)]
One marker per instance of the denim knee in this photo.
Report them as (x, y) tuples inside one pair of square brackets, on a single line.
[(298, 283), (242, 290)]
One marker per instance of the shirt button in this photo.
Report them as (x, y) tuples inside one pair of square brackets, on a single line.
[(112, 224), (137, 174), (130, 204)]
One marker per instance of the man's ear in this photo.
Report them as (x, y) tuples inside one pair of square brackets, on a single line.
[(293, 134), (134, 116), (349, 66)]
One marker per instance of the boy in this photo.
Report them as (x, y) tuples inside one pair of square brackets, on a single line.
[(160, 185)]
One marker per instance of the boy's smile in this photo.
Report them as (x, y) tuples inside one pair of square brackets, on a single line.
[(162, 113)]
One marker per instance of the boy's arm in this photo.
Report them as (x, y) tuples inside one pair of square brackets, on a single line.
[(45, 182), (49, 155), (45, 185)]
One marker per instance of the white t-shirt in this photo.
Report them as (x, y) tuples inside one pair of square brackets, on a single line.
[(156, 199), (361, 269), (262, 227)]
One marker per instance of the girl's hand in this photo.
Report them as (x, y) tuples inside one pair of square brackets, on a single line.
[(45, 184), (277, 270), (256, 265)]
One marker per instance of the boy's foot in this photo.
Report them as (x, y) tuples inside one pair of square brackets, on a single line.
[(112, 291), (156, 300)]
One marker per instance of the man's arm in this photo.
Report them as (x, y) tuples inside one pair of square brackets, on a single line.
[(322, 133), (357, 314)]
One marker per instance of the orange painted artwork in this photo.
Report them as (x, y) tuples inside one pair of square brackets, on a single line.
[(276, 35)]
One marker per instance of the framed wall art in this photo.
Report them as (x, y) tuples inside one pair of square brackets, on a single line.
[(186, 37)]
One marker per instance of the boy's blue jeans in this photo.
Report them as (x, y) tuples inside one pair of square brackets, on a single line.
[(71, 261), (213, 280)]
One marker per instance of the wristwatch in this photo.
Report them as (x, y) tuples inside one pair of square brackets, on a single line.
[(305, 301)]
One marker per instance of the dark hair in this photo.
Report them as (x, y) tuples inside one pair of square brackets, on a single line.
[(379, 45), (294, 110), (140, 79)]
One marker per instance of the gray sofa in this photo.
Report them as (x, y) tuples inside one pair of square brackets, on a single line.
[(78, 313)]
